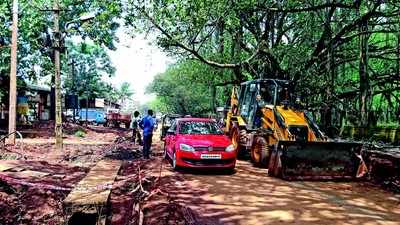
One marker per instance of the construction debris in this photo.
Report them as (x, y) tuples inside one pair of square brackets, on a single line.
[(383, 163)]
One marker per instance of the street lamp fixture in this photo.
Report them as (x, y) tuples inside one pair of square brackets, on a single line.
[(82, 19), (87, 16)]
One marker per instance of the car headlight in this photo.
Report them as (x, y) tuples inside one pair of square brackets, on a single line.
[(185, 147), (230, 148)]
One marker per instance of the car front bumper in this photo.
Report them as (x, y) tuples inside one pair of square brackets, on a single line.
[(194, 160)]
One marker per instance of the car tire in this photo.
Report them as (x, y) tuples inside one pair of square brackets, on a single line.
[(165, 156), (230, 170), (173, 162)]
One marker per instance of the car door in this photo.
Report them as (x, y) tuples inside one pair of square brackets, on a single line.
[(170, 139)]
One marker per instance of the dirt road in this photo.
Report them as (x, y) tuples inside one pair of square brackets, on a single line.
[(249, 196)]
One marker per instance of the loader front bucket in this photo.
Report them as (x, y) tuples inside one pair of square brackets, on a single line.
[(291, 160)]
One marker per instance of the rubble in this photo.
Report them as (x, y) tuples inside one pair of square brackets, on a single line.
[(383, 163)]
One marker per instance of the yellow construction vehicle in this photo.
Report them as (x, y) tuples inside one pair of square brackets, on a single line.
[(283, 138)]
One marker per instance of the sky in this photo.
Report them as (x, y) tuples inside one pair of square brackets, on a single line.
[(137, 61)]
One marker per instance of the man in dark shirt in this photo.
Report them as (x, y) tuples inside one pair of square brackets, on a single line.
[(147, 124)]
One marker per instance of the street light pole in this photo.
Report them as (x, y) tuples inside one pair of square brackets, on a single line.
[(57, 78), (13, 76)]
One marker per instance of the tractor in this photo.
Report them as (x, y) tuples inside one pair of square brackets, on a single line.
[(265, 122)]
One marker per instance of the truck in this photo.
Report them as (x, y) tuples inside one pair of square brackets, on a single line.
[(115, 118), (92, 115), (264, 122)]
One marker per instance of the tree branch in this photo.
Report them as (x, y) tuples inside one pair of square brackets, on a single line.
[(186, 48), (310, 8)]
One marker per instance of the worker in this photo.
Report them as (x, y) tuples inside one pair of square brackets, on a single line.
[(147, 124), (135, 128), (266, 96), (258, 115)]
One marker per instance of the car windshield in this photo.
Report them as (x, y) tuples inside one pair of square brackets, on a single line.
[(199, 127)]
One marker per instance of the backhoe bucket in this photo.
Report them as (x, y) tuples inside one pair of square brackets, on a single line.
[(291, 160)]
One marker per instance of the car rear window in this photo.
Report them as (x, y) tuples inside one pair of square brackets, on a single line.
[(199, 127)]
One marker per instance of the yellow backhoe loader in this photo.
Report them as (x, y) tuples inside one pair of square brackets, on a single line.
[(282, 137)]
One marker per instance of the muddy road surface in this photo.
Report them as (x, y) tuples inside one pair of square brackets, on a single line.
[(249, 196)]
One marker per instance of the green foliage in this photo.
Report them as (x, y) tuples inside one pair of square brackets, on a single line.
[(80, 133), (34, 23), (185, 88), (87, 64), (125, 92), (316, 45)]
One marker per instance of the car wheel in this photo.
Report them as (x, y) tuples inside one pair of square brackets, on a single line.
[(174, 166), (230, 170), (165, 152)]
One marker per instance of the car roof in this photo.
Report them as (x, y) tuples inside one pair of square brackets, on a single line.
[(191, 119)]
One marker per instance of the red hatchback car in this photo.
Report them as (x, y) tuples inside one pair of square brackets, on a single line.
[(198, 143)]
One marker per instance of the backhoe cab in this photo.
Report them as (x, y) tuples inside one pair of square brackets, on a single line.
[(283, 138)]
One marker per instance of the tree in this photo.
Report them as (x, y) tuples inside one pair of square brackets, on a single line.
[(315, 44), (125, 92), (89, 63), (185, 88), (35, 29)]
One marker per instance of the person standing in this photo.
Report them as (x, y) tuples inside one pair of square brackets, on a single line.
[(135, 128), (147, 124)]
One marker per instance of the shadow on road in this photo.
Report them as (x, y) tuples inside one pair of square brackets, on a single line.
[(249, 196)]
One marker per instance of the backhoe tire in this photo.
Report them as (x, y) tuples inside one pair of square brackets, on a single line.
[(235, 137), (260, 152), (275, 164)]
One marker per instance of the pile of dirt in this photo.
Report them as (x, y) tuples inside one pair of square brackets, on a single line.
[(383, 166), (123, 149), (28, 199)]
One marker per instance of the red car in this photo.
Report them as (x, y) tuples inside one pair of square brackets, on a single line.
[(198, 143)]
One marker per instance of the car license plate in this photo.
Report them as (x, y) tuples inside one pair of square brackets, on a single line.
[(210, 156)]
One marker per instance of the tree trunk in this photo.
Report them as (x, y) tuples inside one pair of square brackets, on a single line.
[(365, 89), (12, 112), (213, 99), (237, 50), (330, 69)]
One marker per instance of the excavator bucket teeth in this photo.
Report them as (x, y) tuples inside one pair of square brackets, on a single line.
[(315, 160)]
